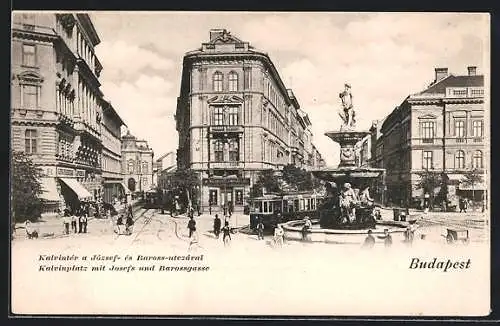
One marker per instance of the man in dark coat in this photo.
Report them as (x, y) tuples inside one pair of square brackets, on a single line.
[(217, 225)]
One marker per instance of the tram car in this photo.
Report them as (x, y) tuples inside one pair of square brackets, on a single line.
[(152, 199), (273, 209)]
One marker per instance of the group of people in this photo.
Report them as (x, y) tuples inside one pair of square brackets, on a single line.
[(463, 204), (125, 221), (225, 230), (77, 220)]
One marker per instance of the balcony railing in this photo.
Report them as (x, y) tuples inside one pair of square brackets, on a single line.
[(427, 140), (456, 92)]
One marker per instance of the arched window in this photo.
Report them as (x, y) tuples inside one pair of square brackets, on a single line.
[(477, 159), (145, 167), (217, 80), (460, 159), (233, 81), (130, 167)]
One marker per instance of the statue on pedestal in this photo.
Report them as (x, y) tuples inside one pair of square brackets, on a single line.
[(348, 114)]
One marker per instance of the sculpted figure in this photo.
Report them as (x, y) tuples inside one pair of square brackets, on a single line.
[(348, 114), (348, 200)]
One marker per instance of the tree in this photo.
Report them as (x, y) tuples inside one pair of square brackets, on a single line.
[(472, 178), (26, 188), (299, 178), (428, 182), (266, 180)]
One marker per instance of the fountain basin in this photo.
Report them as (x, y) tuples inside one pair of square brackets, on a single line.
[(293, 231)]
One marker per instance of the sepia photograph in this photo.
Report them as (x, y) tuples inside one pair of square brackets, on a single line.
[(223, 164)]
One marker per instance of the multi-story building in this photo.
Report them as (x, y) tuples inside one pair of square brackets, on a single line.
[(438, 129), (164, 166), (137, 163), (112, 175), (235, 117), (57, 106)]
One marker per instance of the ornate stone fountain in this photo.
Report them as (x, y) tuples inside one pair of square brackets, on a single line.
[(344, 218)]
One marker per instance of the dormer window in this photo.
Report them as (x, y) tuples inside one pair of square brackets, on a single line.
[(217, 81)]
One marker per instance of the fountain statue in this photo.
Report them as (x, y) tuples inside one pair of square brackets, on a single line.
[(347, 212), (343, 207)]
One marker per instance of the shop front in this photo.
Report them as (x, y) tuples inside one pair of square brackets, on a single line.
[(218, 192)]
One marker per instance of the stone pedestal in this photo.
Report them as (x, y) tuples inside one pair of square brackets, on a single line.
[(347, 140)]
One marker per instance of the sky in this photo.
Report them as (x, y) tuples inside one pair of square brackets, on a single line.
[(384, 56)]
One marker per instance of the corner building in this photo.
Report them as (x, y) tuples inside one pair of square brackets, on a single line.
[(441, 129), (235, 117), (56, 104)]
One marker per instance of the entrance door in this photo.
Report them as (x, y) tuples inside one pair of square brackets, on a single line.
[(226, 196), (212, 197)]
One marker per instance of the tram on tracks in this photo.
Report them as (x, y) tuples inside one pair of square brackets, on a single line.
[(273, 209)]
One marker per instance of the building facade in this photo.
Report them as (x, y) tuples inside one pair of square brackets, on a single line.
[(440, 129), (57, 106), (112, 174), (137, 164), (164, 166), (235, 117)]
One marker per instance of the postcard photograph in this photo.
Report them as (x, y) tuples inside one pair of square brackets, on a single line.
[(225, 164)]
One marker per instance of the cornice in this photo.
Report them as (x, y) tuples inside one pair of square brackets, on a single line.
[(35, 36)]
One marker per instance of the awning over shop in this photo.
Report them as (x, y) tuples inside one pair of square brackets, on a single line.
[(49, 188), (477, 186), (125, 188), (77, 187)]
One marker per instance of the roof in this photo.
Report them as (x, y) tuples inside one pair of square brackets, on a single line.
[(454, 81)]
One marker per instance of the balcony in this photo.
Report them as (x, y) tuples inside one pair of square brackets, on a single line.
[(227, 165), (225, 129)]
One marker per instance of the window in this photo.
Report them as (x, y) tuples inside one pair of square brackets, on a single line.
[(145, 167), (29, 56), (219, 150), (427, 130), (217, 80), (233, 81), (460, 159), (130, 167), (30, 137), (460, 128), (29, 96), (234, 152), (239, 196), (477, 128), (427, 160), (477, 159), (233, 116), (218, 116)]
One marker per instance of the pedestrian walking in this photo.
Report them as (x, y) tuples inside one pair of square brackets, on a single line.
[(193, 243), (226, 234), (84, 223), (129, 224), (191, 226), (279, 235), (388, 238), (73, 222), (230, 208), (119, 224), (369, 240), (306, 228), (260, 230), (66, 221), (217, 226)]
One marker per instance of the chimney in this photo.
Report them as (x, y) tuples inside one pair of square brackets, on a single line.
[(215, 33), (472, 70), (441, 73)]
